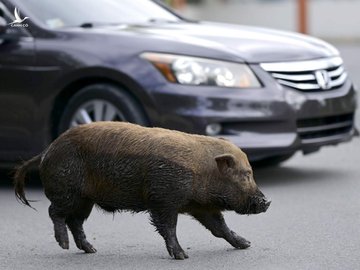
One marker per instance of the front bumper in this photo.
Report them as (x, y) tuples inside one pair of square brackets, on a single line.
[(263, 122)]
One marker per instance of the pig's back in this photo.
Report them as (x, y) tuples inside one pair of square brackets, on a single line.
[(116, 139)]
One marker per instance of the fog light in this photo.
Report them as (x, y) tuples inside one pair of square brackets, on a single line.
[(213, 129)]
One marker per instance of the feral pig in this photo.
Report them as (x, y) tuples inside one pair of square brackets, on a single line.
[(121, 166)]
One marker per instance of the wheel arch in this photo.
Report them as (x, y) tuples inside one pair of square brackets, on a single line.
[(72, 84)]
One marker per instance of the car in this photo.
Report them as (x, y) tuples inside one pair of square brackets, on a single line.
[(71, 62)]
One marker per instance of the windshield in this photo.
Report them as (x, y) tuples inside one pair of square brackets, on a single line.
[(67, 13)]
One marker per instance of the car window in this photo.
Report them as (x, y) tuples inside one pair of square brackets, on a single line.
[(67, 13)]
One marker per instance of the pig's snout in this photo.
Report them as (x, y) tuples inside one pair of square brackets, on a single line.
[(267, 203), (258, 204)]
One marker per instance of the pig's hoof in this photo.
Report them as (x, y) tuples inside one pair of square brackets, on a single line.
[(178, 254), (181, 255), (238, 241), (85, 246), (241, 243), (64, 245), (88, 248)]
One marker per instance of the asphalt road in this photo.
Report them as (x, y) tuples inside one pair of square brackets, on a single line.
[(313, 223)]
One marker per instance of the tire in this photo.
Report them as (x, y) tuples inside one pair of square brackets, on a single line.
[(271, 161), (86, 102)]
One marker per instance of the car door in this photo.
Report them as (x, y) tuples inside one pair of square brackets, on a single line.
[(17, 105)]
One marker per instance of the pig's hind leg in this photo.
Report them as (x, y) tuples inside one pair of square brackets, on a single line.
[(60, 230), (215, 223), (75, 223), (72, 214)]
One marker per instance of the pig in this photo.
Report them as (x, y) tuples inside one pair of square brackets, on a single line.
[(119, 166)]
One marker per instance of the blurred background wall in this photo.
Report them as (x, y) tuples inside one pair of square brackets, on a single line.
[(333, 20)]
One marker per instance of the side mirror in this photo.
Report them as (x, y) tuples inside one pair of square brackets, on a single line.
[(2, 25)]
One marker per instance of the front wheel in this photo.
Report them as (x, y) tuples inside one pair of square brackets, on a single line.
[(101, 102)]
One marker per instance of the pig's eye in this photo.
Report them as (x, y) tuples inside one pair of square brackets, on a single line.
[(247, 175)]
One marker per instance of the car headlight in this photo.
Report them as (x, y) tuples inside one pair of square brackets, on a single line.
[(201, 71)]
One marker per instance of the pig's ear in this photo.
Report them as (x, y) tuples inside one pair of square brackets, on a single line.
[(225, 163)]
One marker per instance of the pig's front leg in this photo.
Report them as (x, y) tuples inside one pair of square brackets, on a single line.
[(215, 223), (165, 223)]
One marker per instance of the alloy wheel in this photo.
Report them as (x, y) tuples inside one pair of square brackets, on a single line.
[(94, 111)]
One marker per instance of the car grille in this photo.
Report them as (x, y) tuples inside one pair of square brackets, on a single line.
[(313, 75), (316, 129)]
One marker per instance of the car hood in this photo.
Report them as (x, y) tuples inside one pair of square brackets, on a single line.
[(252, 44)]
